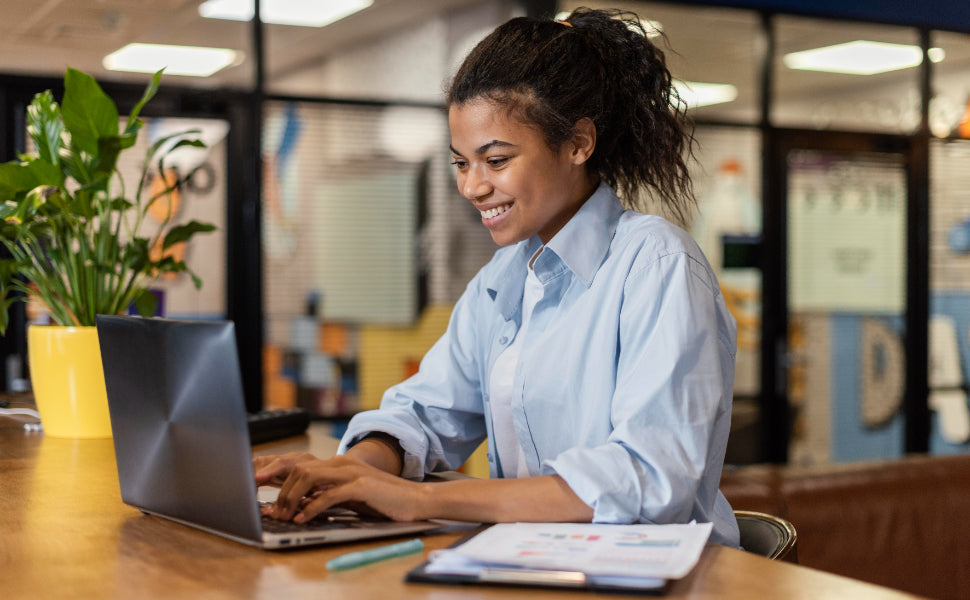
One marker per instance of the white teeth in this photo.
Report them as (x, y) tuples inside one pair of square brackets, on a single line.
[(494, 212)]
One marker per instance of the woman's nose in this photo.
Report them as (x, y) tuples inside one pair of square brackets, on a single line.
[(475, 184)]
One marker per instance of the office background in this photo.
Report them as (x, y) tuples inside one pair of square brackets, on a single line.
[(835, 206)]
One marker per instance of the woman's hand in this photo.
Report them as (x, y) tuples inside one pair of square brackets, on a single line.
[(273, 470), (309, 486), (366, 479)]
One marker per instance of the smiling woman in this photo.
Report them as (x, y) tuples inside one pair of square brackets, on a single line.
[(594, 351)]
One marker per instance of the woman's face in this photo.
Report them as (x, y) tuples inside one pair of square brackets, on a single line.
[(521, 186)]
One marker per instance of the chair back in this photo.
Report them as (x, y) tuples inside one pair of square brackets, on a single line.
[(767, 535)]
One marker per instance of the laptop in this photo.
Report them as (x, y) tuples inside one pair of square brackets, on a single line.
[(178, 419)]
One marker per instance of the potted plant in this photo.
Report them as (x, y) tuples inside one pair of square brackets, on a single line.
[(78, 243)]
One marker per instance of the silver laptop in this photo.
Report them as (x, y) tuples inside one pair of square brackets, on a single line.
[(181, 436)]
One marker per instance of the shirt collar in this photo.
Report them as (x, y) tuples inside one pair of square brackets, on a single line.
[(581, 245), (583, 242)]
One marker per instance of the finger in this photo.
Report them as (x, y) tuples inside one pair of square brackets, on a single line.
[(274, 472), (302, 480), (327, 499), (275, 469)]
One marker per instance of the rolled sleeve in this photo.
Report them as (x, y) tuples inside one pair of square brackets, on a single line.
[(670, 408), (437, 414)]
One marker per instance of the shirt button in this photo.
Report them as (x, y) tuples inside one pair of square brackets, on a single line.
[(502, 340)]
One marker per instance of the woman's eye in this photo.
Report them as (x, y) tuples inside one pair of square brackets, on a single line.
[(497, 162), (461, 164)]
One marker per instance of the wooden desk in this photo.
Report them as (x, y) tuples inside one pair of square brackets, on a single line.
[(64, 533)]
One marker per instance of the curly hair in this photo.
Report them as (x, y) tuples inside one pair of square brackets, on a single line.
[(598, 64)]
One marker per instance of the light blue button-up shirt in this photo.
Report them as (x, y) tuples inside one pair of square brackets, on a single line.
[(625, 377)]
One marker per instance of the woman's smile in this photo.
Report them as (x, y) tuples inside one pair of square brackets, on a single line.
[(492, 215)]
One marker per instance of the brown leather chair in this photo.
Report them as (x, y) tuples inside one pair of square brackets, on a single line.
[(767, 535)]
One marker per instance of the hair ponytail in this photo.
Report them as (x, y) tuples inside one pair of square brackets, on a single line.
[(602, 67)]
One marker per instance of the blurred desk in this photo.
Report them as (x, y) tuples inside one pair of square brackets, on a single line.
[(64, 533)]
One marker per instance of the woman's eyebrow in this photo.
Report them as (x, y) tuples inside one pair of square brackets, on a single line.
[(485, 147)]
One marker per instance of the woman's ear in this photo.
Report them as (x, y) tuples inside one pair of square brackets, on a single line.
[(583, 140)]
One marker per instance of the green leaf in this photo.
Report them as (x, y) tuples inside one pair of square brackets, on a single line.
[(119, 205), (89, 114), (153, 150), (109, 148), (128, 138), (193, 142), (134, 123), (45, 173), (81, 204), (136, 253), (74, 165), (7, 210), (34, 202), (146, 303), (182, 233), (45, 127), (168, 264), (22, 176)]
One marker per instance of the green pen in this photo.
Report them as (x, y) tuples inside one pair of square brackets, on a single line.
[(356, 559)]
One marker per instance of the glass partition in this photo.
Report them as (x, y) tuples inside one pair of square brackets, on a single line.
[(361, 232), (846, 280), (727, 182), (949, 327)]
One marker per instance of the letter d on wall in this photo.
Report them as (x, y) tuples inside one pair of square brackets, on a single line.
[(882, 373)]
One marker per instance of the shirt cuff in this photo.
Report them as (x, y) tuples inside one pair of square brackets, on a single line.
[(614, 495), (414, 451)]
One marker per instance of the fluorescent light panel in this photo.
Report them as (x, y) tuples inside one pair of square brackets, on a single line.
[(304, 13), (176, 60), (860, 57), (697, 94)]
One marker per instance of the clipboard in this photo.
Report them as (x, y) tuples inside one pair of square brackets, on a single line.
[(538, 578)]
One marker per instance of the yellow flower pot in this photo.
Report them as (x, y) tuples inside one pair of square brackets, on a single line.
[(68, 381)]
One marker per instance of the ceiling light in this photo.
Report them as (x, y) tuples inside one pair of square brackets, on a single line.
[(176, 60), (652, 28), (860, 58), (305, 13), (697, 94)]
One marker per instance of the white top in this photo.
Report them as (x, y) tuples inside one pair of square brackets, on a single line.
[(510, 453)]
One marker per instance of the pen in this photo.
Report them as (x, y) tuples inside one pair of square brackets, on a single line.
[(356, 559)]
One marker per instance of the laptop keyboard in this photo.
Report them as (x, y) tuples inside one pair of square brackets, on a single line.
[(276, 526), (334, 519)]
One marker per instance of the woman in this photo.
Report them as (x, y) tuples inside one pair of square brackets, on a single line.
[(594, 350)]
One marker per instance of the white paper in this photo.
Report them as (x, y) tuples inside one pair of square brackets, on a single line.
[(639, 551)]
